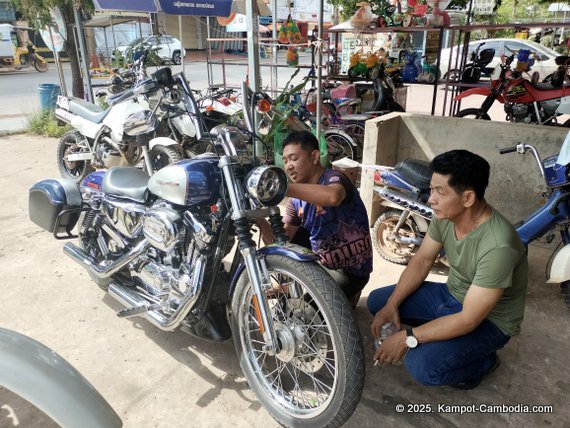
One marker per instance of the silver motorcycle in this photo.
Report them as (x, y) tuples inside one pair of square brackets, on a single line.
[(157, 245)]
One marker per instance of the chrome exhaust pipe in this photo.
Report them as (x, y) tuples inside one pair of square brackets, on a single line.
[(130, 298), (102, 271), (405, 202)]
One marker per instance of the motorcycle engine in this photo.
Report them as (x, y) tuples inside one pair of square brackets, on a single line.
[(108, 152), (520, 113), (163, 228)]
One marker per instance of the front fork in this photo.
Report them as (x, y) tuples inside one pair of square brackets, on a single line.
[(256, 268)]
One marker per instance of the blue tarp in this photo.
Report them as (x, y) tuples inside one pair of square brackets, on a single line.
[(197, 7), (126, 5)]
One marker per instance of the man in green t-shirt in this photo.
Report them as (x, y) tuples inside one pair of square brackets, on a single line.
[(454, 330)]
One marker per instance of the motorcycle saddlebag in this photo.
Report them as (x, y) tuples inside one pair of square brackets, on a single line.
[(48, 199)]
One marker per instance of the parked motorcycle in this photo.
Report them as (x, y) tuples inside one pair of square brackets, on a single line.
[(524, 102), (404, 190), (156, 245)]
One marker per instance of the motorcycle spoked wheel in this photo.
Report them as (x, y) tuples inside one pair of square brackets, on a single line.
[(70, 144), (161, 156), (318, 376), (383, 237), (339, 146), (41, 66), (473, 113)]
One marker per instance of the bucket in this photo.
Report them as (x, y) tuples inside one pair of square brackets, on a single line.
[(48, 93)]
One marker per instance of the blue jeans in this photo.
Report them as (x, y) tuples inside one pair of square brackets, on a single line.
[(444, 362)]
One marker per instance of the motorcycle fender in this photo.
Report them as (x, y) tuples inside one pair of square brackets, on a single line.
[(161, 141), (560, 267), (116, 118), (42, 377), (564, 106), (293, 251), (473, 91), (344, 134), (421, 222)]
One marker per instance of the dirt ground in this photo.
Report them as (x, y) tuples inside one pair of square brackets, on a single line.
[(159, 379)]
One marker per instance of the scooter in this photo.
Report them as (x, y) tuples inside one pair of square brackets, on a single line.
[(24, 57), (404, 191), (524, 101)]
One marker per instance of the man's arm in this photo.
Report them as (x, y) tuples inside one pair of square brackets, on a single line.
[(330, 195), (412, 277)]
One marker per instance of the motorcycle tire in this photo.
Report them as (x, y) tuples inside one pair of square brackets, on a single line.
[(473, 113), (68, 144), (352, 73), (394, 106), (161, 156), (177, 58), (565, 289), (339, 145), (386, 245), (317, 378), (41, 66)]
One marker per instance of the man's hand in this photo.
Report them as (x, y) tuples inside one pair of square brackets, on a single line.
[(392, 349), (389, 313)]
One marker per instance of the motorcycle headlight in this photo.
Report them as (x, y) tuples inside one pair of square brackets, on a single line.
[(267, 185)]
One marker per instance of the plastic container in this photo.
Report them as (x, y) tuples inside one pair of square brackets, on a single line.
[(48, 93)]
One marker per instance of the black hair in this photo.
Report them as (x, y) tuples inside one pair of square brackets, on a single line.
[(466, 171), (306, 139)]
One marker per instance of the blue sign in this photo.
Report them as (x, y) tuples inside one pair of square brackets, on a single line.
[(126, 5), (197, 7)]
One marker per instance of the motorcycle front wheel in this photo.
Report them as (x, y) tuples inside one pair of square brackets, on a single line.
[(317, 377), (72, 142), (473, 113), (41, 66)]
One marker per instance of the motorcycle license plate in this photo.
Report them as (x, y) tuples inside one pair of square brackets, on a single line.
[(62, 102)]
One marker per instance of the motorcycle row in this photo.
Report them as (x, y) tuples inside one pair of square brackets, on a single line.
[(173, 243), (160, 191)]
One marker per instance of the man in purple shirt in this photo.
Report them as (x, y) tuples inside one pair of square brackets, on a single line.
[(325, 213)]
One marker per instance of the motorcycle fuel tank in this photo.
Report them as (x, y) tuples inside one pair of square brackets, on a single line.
[(190, 182)]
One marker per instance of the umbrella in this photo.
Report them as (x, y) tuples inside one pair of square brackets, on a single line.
[(211, 7)]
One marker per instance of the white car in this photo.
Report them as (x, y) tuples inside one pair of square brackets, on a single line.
[(168, 48), (544, 61)]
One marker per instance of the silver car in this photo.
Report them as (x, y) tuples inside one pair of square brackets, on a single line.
[(168, 48), (544, 61)]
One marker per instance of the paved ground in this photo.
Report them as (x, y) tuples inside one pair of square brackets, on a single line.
[(159, 379)]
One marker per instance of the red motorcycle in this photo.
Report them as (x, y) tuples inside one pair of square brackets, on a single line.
[(525, 101)]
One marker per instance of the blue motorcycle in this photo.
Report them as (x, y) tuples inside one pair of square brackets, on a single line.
[(156, 244), (404, 190)]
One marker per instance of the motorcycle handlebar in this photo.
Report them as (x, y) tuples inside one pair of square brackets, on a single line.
[(508, 150)]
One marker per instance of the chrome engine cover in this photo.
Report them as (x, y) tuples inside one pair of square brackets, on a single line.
[(126, 217), (162, 227)]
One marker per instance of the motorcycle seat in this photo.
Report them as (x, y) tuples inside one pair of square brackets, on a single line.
[(541, 86), (87, 110), (415, 171), (126, 182)]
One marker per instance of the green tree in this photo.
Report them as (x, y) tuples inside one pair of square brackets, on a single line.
[(37, 14)]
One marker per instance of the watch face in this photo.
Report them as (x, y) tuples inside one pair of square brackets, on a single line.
[(411, 341)]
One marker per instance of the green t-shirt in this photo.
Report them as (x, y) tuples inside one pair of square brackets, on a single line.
[(492, 256)]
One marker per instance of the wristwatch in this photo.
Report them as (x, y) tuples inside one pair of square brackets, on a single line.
[(411, 340)]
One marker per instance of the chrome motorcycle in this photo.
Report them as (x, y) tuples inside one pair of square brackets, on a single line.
[(157, 246)]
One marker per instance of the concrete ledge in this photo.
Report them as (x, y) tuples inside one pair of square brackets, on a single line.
[(516, 185)]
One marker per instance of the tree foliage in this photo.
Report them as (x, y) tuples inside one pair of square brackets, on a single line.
[(36, 12)]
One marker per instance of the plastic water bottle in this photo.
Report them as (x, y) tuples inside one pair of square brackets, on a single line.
[(387, 329)]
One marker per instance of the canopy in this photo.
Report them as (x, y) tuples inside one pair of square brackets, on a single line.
[(220, 8), (128, 5)]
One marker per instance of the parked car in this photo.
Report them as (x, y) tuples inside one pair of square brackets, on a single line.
[(544, 64), (168, 48)]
